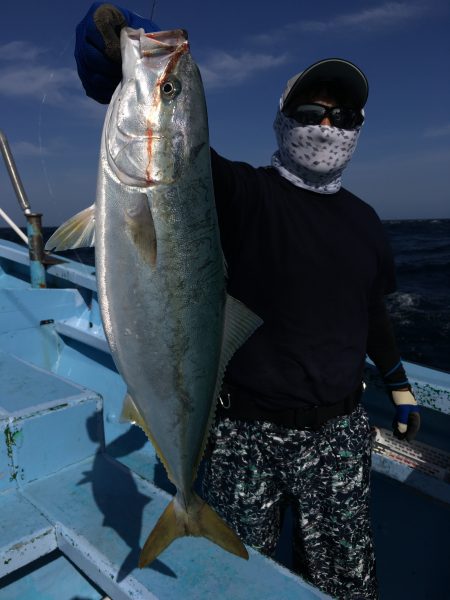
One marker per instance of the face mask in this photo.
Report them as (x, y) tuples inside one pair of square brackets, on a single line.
[(313, 156)]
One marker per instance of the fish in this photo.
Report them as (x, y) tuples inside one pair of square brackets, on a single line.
[(161, 274)]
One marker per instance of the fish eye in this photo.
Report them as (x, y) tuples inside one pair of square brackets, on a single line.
[(170, 88)]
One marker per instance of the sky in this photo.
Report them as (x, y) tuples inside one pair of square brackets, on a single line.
[(246, 51)]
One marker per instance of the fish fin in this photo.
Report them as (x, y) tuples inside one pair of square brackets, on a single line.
[(141, 228), (239, 324), (210, 525), (77, 232), (130, 412), (199, 520), (166, 530)]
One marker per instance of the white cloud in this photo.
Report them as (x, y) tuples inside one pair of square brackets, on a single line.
[(435, 132), (28, 149), (389, 14), (58, 86), (19, 50), (54, 146), (53, 86), (223, 69), (37, 81)]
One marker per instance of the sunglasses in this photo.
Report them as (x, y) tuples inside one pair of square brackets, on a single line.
[(314, 114)]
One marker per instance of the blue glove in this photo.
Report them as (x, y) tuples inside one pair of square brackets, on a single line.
[(97, 47), (406, 422), (407, 418)]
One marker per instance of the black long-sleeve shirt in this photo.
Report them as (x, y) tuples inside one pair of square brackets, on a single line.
[(315, 268)]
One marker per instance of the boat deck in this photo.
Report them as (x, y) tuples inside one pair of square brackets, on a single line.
[(62, 489), (80, 491)]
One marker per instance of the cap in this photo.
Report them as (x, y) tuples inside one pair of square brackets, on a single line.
[(335, 70)]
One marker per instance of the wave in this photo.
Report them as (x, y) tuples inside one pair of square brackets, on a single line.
[(410, 268)]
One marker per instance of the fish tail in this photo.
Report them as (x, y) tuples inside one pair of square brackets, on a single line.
[(167, 529), (199, 520)]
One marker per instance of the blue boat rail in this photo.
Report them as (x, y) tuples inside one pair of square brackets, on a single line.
[(34, 238)]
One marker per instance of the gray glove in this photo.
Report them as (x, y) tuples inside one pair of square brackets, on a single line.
[(109, 20)]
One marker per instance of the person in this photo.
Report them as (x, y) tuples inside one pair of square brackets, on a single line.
[(313, 261)]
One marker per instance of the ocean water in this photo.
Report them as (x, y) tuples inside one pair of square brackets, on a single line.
[(420, 309)]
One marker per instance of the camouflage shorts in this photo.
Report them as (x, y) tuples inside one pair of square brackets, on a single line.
[(256, 469)]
